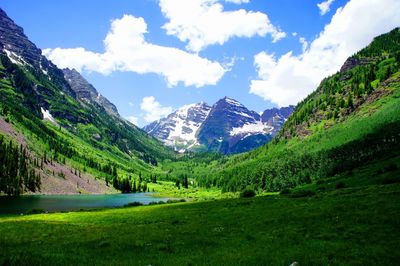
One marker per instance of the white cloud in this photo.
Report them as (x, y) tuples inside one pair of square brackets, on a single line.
[(201, 23), (238, 2), (127, 50), (153, 109), (288, 79), (132, 119), (325, 7), (304, 43)]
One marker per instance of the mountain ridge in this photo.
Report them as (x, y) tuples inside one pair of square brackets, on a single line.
[(227, 127), (66, 125)]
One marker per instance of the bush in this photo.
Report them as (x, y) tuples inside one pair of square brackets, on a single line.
[(247, 193), (340, 185), (133, 204), (157, 202), (35, 211), (176, 201), (285, 191), (302, 193), (390, 180), (391, 167)]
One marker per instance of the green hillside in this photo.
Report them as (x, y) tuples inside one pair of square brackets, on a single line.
[(84, 137), (352, 118)]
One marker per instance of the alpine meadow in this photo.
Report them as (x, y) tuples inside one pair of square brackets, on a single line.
[(204, 132)]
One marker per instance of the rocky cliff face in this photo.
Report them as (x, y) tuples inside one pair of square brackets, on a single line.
[(87, 93), (276, 117), (16, 45), (227, 127), (352, 62)]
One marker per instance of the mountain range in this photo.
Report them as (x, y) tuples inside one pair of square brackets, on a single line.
[(60, 135), (227, 127)]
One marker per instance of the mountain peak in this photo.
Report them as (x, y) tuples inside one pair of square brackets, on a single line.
[(86, 92), (179, 129), (228, 127), (230, 101)]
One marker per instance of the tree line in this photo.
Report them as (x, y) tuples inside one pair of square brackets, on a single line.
[(17, 172)]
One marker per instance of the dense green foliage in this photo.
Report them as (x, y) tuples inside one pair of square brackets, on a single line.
[(355, 225)]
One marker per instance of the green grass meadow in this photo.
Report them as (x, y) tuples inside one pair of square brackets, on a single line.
[(339, 225)]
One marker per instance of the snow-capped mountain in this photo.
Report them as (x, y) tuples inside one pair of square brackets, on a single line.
[(228, 127), (179, 129)]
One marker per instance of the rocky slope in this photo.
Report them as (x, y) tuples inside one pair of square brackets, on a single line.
[(87, 93), (226, 127)]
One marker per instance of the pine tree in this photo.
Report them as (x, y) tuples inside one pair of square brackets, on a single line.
[(349, 100), (134, 186)]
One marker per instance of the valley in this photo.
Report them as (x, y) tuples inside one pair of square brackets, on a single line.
[(263, 230), (313, 184)]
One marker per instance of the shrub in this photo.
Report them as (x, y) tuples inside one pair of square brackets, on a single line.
[(133, 204), (340, 185), (247, 193), (302, 193), (176, 201), (34, 211), (391, 167), (390, 180), (285, 191)]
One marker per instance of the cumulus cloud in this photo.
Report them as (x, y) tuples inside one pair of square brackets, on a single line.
[(127, 50), (290, 78), (132, 119), (325, 7), (201, 23), (153, 109)]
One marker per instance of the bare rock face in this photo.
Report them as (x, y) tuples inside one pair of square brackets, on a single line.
[(87, 93), (352, 62)]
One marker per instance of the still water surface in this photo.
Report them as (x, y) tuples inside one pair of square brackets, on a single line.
[(53, 203)]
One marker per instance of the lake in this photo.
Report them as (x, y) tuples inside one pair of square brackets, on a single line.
[(54, 203)]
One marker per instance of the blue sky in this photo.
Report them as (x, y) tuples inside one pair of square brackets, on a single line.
[(162, 54)]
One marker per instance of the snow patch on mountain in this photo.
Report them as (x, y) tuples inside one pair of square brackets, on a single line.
[(252, 128), (47, 116), (179, 129), (233, 102), (15, 58)]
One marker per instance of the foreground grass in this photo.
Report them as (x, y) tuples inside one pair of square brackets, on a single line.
[(349, 226)]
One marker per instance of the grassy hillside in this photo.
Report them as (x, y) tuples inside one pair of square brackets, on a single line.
[(352, 119), (352, 221)]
